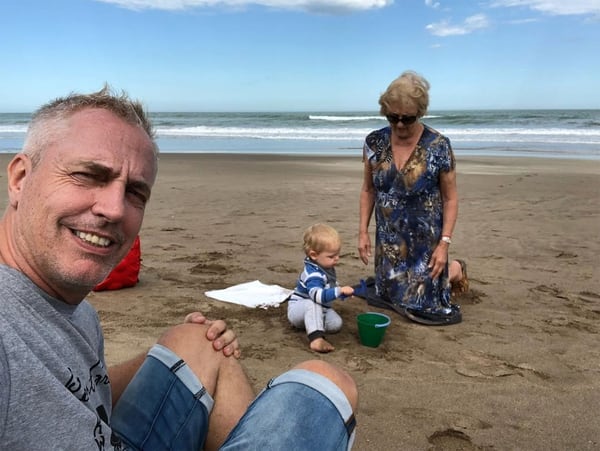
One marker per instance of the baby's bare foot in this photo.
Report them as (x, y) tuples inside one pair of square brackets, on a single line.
[(321, 345)]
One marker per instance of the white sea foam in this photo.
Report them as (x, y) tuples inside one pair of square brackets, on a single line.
[(354, 118), (13, 128), (535, 132), (286, 133), (456, 134), (344, 118)]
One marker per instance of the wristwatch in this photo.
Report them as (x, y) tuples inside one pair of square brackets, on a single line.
[(446, 239)]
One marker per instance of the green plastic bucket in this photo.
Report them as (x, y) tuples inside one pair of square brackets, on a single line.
[(372, 327)]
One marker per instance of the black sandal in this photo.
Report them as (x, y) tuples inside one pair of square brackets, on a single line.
[(435, 319)]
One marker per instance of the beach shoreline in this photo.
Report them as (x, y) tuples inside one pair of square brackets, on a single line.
[(520, 372), (502, 132)]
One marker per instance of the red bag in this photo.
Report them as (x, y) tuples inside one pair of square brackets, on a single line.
[(126, 273)]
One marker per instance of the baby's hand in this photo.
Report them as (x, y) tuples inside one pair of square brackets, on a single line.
[(347, 291)]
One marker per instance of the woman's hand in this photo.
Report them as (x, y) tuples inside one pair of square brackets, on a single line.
[(223, 339), (438, 261), (364, 247)]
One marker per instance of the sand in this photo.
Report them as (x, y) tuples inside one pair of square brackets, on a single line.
[(522, 371)]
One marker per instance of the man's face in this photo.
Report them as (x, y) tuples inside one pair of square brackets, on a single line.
[(79, 210)]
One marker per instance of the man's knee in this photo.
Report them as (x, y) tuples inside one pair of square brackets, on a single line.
[(181, 335), (338, 376), (189, 342)]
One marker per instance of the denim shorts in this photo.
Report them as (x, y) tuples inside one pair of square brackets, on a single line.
[(165, 407)]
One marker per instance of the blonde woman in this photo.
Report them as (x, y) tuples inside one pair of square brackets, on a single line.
[(410, 182)]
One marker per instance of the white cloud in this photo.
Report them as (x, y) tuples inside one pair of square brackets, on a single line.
[(432, 4), (523, 21), (555, 7), (322, 6), (469, 25)]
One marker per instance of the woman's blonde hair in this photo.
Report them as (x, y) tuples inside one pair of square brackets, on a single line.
[(320, 237), (409, 89)]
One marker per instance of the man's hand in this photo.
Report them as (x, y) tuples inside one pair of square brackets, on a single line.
[(223, 339)]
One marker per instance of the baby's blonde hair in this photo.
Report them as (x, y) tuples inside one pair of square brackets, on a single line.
[(320, 237)]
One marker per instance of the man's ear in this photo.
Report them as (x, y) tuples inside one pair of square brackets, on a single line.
[(18, 169)]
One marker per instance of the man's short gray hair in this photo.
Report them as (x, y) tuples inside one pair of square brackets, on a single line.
[(49, 119)]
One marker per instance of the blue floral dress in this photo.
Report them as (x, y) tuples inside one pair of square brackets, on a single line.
[(408, 218)]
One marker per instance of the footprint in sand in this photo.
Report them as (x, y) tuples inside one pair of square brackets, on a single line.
[(359, 364), (283, 269), (485, 366), (567, 255), (171, 229), (451, 439), (589, 297), (209, 268), (259, 352)]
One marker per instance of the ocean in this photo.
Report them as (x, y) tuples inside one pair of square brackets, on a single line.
[(532, 133)]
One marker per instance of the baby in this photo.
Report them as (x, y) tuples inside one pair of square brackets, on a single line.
[(309, 306)]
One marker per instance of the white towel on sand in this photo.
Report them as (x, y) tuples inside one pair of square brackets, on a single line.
[(252, 294)]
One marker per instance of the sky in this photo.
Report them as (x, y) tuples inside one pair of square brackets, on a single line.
[(301, 55)]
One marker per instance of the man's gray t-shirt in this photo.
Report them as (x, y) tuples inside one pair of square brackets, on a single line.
[(54, 387)]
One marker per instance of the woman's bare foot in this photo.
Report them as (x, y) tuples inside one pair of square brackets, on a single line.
[(321, 345), (459, 279)]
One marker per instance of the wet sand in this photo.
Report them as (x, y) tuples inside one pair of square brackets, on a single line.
[(522, 371)]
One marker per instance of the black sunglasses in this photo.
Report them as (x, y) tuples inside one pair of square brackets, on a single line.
[(406, 120)]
